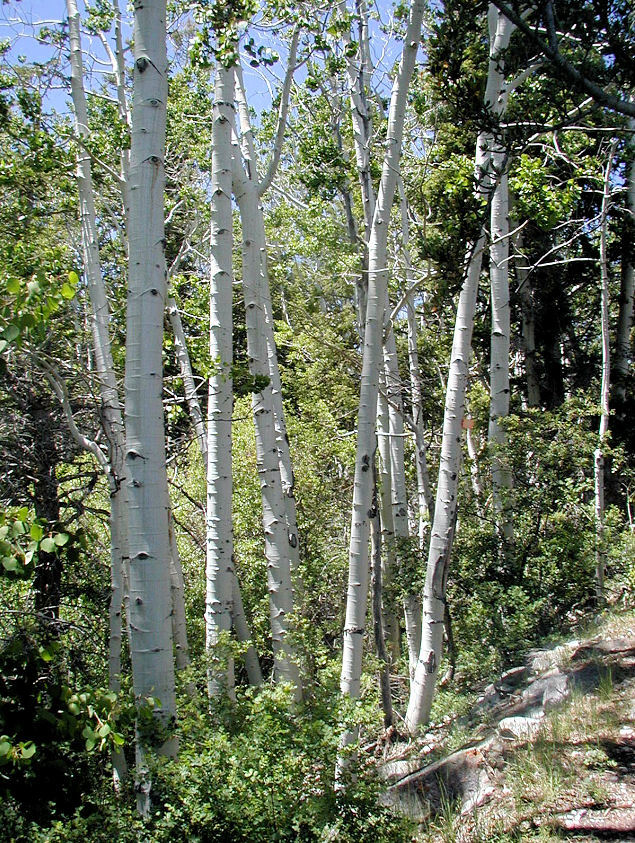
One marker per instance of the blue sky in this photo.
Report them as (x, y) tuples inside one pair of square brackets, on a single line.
[(20, 21)]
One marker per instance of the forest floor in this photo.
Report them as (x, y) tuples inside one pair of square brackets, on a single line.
[(548, 751)]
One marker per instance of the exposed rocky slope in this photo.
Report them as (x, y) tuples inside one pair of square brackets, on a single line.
[(552, 754)]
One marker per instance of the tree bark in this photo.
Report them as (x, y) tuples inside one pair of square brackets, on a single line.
[(623, 346), (220, 565), (110, 415), (273, 504), (499, 349), (605, 388), (445, 510), (357, 595), (151, 645)]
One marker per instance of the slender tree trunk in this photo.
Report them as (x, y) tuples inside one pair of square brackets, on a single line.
[(600, 552), (111, 418), (274, 511), (257, 235), (445, 511), (424, 490), (391, 617), (378, 626), (623, 346), (243, 634), (399, 501), (528, 317), (185, 367), (357, 596), (499, 350), (220, 565), (151, 645)]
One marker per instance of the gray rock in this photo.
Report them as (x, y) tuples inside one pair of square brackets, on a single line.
[(519, 728), (556, 691), (462, 777)]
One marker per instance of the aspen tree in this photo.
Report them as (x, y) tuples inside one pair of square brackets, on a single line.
[(220, 566), (605, 388), (273, 507), (151, 645), (445, 510), (357, 594), (500, 341), (111, 417), (177, 589), (623, 346)]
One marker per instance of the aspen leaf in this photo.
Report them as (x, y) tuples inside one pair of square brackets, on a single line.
[(27, 750), (47, 545), (11, 332)]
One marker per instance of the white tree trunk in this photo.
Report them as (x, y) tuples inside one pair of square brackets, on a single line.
[(424, 490), (399, 500), (623, 346), (243, 634), (189, 385), (499, 349), (605, 388), (423, 684), (111, 418), (257, 234), (391, 619), (220, 566), (445, 510), (151, 645), (273, 501), (357, 595)]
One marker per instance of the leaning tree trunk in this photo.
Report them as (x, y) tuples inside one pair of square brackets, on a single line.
[(110, 415), (258, 236), (445, 510), (151, 646), (220, 565), (357, 595), (273, 503)]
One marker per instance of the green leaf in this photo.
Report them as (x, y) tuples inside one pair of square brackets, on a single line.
[(117, 739), (27, 750), (13, 286), (104, 730), (9, 563), (5, 747), (36, 532), (61, 539), (73, 278), (47, 545), (45, 655), (11, 333), (68, 292), (23, 513)]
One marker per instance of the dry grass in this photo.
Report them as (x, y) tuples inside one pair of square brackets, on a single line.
[(568, 766)]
